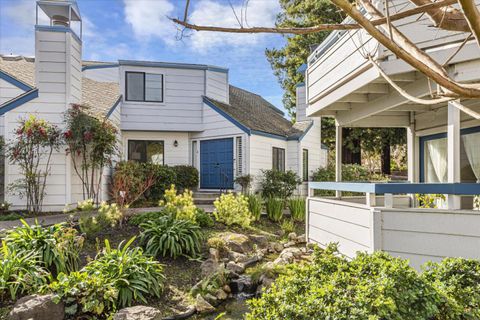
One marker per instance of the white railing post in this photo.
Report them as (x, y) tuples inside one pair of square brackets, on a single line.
[(371, 199), (412, 156), (388, 200), (453, 151), (338, 156)]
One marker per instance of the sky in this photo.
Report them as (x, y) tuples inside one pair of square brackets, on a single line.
[(140, 30)]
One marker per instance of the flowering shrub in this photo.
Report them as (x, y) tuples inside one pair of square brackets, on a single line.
[(35, 140), (179, 206), (92, 144), (109, 215), (231, 209), (86, 205)]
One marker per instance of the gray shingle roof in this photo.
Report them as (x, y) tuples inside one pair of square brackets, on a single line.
[(99, 96), (257, 114)]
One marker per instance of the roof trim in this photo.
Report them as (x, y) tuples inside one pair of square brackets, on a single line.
[(14, 81), (112, 109), (58, 29), (100, 66), (226, 116), (18, 101), (171, 65), (304, 133)]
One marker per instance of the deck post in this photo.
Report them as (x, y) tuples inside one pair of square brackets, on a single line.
[(338, 156), (412, 156), (388, 200), (371, 199), (453, 151)]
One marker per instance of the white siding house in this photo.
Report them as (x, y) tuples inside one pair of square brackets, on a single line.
[(169, 113)]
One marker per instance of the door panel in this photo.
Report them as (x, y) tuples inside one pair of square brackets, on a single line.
[(216, 164)]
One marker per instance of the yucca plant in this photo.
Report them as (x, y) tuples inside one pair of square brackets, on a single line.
[(135, 275), (274, 207), (297, 207), (57, 247), (167, 236), (255, 205), (19, 273)]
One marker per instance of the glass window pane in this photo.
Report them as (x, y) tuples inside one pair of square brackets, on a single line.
[(470, 157), (153, 87), (155, 152), (305, 165), (436, 160), (137, 151), (135, 86)]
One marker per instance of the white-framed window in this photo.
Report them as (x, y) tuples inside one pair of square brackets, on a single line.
[(147, 151), (143, 87), (305, 164), (278, 159)]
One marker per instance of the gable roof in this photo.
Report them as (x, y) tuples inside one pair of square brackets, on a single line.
[(99, 96), (258, 115)]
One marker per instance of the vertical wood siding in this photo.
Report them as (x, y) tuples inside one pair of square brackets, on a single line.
[(8, 91)]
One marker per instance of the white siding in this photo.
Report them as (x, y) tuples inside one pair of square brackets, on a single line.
[(301, 103), (179, 155), (8, 91), (216, 125), (317, 157), (110, 74), (217, 85), (182, 106), (261, 155)]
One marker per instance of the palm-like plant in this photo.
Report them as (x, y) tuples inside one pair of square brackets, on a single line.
[(169, 236)]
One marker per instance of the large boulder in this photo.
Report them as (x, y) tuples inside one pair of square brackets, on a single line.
[(37, 307), (209, 267), (259, 240), (138, 313), (238, 268), (202, 305), (237, 242)]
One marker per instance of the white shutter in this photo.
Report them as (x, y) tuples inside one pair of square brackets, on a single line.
[(239, 156)]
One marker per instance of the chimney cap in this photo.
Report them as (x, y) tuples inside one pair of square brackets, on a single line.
[(62, 8)]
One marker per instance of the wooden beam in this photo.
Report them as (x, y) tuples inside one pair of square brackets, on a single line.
[(413, 107), (374, 88), (382, 121), (354, 98), (340, 106)]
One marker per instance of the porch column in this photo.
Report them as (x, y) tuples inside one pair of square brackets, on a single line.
[(412, 156), (453, 150), (338, 156)]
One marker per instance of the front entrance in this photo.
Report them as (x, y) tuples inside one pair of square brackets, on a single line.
[(216, 164)]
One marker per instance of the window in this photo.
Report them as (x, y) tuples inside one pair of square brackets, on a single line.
[(305, 164), (140, 86), (146, 151), (278, 159)]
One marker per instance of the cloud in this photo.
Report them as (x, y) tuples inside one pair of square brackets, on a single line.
[(23, 13), (214, 13), (149, 19)]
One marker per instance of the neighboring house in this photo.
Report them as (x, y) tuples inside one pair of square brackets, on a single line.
[(168, 113), (443, 145)]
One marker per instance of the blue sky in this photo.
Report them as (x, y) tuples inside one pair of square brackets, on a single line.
[(140, 30)]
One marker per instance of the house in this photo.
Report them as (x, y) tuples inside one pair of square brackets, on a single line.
[(443, 145), (167, 113)]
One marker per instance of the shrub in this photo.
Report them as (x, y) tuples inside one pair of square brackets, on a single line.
[(57, 247), (86, 205), (279, 184), (167, 236), (204, 219), (297, 207), (217, 243), (375, 286), (140, 218), (109, 216), (130, 180), (459, 280), (4, 206), (232, 209), (244, 181), (288, 226), (187, 177), (165, 177), (10, 216), (20, 273), (133, 274), (255, 205), (274, 208), (429, 200), (180, 206)]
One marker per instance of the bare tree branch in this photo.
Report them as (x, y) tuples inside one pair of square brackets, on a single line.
[(473, 17), (447, 17), (185, 16), (471, 91), (318, 28)]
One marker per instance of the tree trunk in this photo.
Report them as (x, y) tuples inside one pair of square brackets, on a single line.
[(386, 159)]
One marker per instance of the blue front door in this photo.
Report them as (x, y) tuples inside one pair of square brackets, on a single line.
[(216, 164)]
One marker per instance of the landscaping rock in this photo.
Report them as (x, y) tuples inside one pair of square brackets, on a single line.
[(292, 236), (301, 239), (37, 307), (276, 246), (211, 299), (289, 244), (296, 252), (243, 284), (209, 267), (202, 305), (227, 288), (235, 267), (253, 260), (237, 242), (259, 240), (221, 295), (237, 257), (138, 313), (214, 254)]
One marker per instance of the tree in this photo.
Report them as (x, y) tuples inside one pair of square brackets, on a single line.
[(286, 61)]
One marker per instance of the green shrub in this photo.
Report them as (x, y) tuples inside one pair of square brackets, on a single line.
[(140, 218), (86, 205), (297, 207), (20, 273), (274, 208), (217, 243), (375, 286), (57, 247), (167, 236), (164, 177), (288, 226), (204, 219), (232, 209), (187, 177), (179, 206), (133, 274), (4, 206), (10, 216), (85, 293), (255, 206), (429, 200), (109, 216), (459, 280), (279, 184)]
